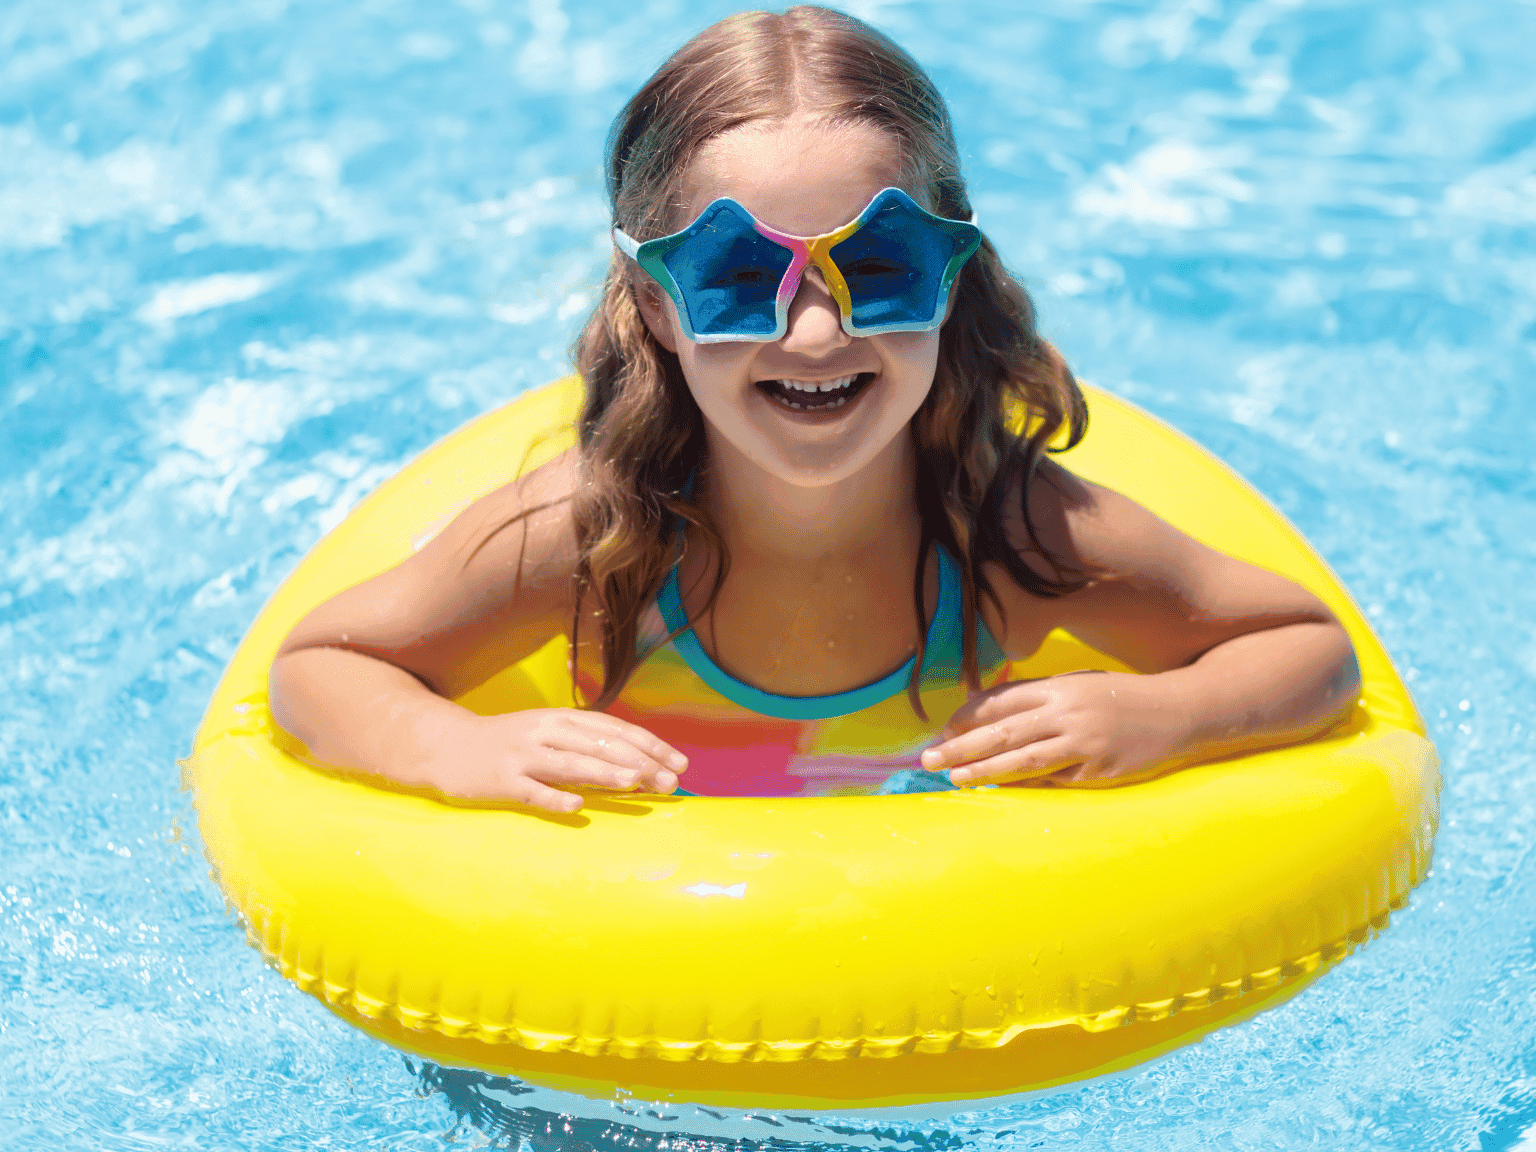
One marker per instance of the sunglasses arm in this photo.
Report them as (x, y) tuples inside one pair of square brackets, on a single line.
[(626, 244)]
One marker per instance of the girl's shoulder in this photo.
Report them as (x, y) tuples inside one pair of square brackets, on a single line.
[(1086, 545), (1065, 523), (520, 533), (492, 586), (505, 562), (1077, 526), (1147, 593)]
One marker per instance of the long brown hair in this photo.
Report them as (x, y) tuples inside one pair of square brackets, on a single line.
[(641, 435)]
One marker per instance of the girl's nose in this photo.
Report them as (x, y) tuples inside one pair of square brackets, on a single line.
[(815, 323)]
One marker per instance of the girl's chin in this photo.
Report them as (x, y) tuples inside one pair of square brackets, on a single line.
[(799, 462)]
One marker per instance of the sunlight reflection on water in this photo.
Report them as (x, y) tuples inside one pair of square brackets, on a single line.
[(259, 255)]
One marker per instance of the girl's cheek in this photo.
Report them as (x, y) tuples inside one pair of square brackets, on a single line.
[(917, 351), (723, 360)]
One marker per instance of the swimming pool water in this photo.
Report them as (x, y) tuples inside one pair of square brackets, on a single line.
[(256, 255)]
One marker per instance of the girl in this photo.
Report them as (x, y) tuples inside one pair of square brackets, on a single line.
[(800, 539)]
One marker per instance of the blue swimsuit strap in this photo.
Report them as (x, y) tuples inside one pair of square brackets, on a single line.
[(943, 632)]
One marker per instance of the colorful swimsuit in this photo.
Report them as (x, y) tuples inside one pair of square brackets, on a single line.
[(744, 742)]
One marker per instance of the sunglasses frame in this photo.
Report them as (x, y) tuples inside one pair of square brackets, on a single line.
[(804, 252)]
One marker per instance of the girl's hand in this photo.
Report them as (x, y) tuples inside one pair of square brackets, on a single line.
[(530, 756), (1080, 728)]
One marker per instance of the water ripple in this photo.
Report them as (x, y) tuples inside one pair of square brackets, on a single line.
[(260, 254)]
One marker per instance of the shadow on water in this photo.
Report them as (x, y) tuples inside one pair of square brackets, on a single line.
[(508, 1112)]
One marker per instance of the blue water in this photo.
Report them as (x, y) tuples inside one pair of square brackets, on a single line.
[(258, 254)]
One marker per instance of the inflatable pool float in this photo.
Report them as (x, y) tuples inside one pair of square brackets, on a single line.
[(828, 953)]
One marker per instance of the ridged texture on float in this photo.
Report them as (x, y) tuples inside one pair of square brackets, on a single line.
[(710, 933), (330, 976)]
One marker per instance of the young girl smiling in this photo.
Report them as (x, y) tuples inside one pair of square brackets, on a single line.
[(810, 521)]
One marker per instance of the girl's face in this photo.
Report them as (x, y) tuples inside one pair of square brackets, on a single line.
[(804, 178)]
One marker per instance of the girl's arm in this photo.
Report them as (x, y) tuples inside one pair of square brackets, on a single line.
[(1234, 657), (366, 680)]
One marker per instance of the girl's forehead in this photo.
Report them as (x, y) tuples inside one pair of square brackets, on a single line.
[(797, 176)]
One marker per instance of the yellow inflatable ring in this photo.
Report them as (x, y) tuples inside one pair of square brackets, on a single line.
[(813, 953)]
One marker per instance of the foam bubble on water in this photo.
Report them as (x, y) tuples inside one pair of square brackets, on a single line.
[(1171, 184), (235, 414), (1498, 194), (1354, 336), (49, 191), (189, 297), (398, 287), (1164, 33), (427, 46), (87, 556)]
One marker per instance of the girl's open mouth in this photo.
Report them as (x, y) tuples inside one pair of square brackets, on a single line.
[(814, 396)]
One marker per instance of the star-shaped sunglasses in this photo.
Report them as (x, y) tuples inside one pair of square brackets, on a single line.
[(732, 277)]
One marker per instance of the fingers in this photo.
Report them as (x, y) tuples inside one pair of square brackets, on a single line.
[(995, 704), (532, 755), (630, 746), (526, 790), (567, 768), (574, 769), (560, 767), (641, 738), (1016, 748), (1042, 758), (635, 757), (978, 743)]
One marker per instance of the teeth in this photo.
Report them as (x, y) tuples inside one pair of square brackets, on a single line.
[(818, 385)]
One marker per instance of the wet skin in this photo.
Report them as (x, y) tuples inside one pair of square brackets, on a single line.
[(818, 513)]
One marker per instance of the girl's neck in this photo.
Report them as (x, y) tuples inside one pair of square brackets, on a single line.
[(871, 515)]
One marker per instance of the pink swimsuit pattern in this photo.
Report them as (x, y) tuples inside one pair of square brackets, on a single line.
[(741, 741)]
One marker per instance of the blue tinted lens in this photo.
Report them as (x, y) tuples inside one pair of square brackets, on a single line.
[(729, 275), (894, 266)]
